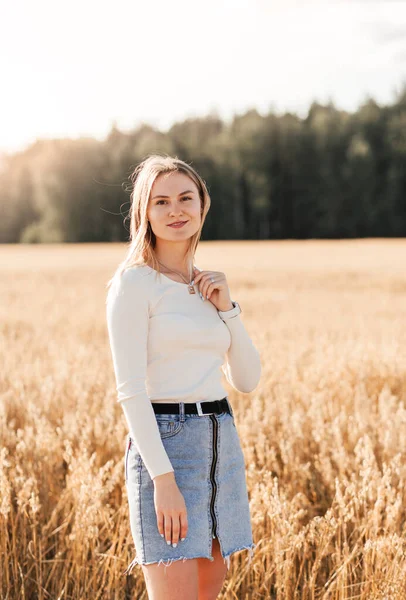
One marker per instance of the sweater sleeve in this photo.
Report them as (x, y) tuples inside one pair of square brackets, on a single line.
[(243, 364), (127, 312)]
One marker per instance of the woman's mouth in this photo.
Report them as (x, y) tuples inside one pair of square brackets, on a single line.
[(178, 225)]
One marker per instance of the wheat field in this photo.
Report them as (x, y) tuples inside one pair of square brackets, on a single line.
[(324, 433)]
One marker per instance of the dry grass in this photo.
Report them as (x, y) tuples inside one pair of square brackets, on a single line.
[(324, 434)]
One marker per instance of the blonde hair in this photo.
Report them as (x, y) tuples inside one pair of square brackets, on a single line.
[(142, 239)]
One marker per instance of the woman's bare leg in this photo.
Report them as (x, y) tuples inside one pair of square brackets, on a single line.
[(211, 574), (176, 581)]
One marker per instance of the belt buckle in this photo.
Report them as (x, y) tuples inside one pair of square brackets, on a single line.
[(199, 410)]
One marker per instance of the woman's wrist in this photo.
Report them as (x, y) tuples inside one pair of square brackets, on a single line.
[(164, 478), (229, 306)]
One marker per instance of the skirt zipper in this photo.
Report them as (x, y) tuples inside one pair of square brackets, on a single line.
[(212, 471)]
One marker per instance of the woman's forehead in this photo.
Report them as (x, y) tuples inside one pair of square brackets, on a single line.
[(172, 183)]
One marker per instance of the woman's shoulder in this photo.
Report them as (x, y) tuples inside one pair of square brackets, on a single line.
[(138, 276), (131, 279), (136, 272)]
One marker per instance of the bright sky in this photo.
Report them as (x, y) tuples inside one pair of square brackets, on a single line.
[(73, 68)]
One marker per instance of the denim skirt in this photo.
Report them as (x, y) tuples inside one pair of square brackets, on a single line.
[(209, 469)]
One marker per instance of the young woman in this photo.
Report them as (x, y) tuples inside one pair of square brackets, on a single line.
[(173, 332)]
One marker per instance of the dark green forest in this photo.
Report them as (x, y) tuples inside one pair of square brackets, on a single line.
[(330, 174)]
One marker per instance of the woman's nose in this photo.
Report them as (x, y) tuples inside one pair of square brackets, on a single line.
[(176, 210)]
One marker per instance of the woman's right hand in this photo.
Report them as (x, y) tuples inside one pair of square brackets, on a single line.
[(170, 508)]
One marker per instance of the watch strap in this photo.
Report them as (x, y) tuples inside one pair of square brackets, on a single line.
[(229, 314)]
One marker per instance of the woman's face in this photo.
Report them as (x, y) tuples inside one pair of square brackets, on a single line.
[(174, 197)]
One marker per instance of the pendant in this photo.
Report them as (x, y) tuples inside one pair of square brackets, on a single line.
[(191, 289)]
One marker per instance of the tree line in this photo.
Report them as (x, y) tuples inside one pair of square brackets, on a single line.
[(330, 174)]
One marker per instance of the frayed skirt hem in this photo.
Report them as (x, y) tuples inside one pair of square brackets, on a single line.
[(169, 561)]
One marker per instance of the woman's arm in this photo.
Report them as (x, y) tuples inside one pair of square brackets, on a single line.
[(243, 365), (127, 312)]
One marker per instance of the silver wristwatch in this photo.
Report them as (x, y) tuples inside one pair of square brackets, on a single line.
[(229, 314)]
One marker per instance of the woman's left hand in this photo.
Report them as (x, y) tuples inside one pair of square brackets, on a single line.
[(214, 287)]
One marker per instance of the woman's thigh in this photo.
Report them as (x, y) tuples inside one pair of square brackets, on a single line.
[(186, 580), (211, 573), (177, 581)]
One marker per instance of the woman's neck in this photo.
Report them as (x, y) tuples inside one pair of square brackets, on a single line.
[(170, 263)]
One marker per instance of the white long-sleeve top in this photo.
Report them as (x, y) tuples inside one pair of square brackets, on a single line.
[(168, 345)]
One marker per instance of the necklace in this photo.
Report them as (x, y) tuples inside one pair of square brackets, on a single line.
[(189, 283)]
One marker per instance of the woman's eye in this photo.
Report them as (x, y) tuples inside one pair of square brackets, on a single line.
[(184, 198)]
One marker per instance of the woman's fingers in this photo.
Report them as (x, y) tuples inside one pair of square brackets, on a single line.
[(175, 530), (173, 524), (161, 522), (168, 528), (210, 287), (203, 281), (183, 526)]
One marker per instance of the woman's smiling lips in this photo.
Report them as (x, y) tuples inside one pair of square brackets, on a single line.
[(178, 225)]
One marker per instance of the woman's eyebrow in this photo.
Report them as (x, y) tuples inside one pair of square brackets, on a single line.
[(181, 194)]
